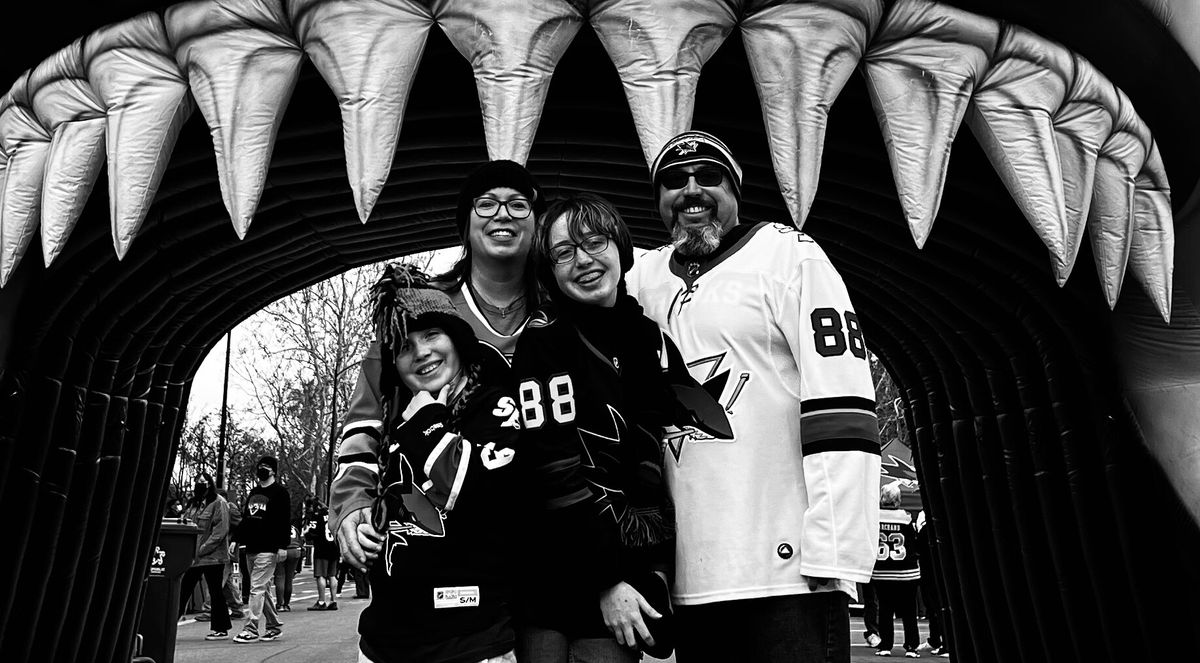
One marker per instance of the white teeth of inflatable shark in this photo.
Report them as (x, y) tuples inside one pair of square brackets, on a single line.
[(1066, 143), (1081, 125), (659, 47), (242, 64), (66, 106), (1152, 249), (513, 47), (368, 53), (921, 70), (801, 55), (24, 145), (132, 70), (1011, 116)]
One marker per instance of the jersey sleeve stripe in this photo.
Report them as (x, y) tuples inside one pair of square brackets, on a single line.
[(364, 457), (366, 428), (813, 405), (834, 425), (839, 444), (343, 468), (447, 440), (460, 477)]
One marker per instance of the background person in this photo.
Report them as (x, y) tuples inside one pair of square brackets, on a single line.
[(776, 526), (325, 556), (286, 570), (491, 287), (897, 574), (265, 533), (438, 531), (210, 513)]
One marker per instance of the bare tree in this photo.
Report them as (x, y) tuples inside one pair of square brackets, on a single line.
[(301, 362)]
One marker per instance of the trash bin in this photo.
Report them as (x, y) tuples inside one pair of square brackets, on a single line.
[(172, 556)]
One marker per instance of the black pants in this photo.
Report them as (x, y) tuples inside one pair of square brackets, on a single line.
[(933, 610), (802, 628), (213, 576), (897, 598), (870, 610)]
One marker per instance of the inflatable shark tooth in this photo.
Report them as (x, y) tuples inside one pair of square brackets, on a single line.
[(801, 54), (1011, 115), (131, 69), (921, 68), (1110, 220), (1152, 248), (368, 53), (24, 144), (1081, 126), (242, 64), (659, 48), (66, 106), (513, 47)]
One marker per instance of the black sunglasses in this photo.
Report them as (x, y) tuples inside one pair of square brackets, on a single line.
[(678, 178)]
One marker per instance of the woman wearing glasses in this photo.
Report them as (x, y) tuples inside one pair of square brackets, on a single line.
[(594, 397), (492, 287), (437, 486)]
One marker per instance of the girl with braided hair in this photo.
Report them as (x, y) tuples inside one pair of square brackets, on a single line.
[(429, 492)]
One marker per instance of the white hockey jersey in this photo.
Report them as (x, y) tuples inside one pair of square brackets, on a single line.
[(796, 492)]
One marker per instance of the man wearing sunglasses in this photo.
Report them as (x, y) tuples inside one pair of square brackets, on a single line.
[(775, 526)]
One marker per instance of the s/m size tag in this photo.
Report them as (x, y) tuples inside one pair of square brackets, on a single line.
[(456, 597)]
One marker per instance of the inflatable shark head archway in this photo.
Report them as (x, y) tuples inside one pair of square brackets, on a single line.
[(1053, 408)]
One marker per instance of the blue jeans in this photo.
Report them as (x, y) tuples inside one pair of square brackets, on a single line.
[(802, 628), (543, 645)]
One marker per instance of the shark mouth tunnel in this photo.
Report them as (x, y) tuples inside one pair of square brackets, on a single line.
[(1053, 402)]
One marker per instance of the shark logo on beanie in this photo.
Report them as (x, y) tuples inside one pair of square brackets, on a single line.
[(692, 147)]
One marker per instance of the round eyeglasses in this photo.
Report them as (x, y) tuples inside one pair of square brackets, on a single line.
[(564, 252), (518, 208), (678, 178)]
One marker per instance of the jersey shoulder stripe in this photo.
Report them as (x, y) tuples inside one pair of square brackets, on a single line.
[(813, 405)]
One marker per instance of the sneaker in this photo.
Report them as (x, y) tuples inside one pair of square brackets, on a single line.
[(248, 634), (319, 605), (332, 605), (911, 653), (217, 635), (285, 608), (203, 617), (271, 634), (936, 651), (873, 639), (925, 645), (883, 652)]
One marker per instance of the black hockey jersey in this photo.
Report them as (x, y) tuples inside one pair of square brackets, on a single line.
[(898, 547), (594, 397)]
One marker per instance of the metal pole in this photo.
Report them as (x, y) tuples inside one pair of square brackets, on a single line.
[(224, 416), (332, 437)]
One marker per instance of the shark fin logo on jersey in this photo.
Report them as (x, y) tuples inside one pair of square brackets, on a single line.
[(416, 514), (716, 383)]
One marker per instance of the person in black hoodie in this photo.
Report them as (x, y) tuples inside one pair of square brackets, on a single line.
[(265, 531), (432, 494), (595, 395)]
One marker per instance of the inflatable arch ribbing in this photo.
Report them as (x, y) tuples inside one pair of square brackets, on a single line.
[(176, 166)]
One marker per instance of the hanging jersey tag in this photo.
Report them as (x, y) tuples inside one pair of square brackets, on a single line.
[(455, 597)]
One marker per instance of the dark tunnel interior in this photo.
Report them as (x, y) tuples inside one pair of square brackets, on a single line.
[(1057, 536)]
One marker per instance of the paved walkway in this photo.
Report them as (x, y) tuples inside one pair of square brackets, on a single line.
[(332, 637)]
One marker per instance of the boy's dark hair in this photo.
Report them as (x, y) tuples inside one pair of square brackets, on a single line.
[(586, 214)]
